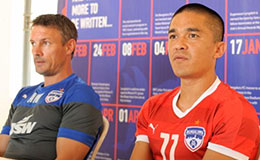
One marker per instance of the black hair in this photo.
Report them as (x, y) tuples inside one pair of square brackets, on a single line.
[(215, 19)]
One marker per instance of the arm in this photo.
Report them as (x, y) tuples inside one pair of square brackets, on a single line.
[(141, 151), (4, 139), (70, 149), (212, 155), (236, 131), (80, 124)]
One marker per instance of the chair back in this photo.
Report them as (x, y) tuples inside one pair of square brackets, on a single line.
[(101, 138)]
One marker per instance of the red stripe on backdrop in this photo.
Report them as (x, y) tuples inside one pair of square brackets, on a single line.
[(118, 70), (116, 130), (129, 106), (121, 105), (244, 34), (108, 104), (64, 10), (150, 58), (89, 62), (160, 38), (97, 40), (122, 39), (226, 31)]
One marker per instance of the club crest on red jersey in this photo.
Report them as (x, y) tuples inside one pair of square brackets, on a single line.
[(53, 96), (193, 137)]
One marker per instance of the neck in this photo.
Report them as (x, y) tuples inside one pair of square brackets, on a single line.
[(192, 89), (49, 80)]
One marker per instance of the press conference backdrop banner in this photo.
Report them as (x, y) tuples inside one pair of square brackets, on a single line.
[(122, 53)]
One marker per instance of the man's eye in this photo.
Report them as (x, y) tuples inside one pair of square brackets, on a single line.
[(46, 43), (172, 36), (193, 35), (33, 43)]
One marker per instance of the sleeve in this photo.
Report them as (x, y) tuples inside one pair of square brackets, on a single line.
[(142, 123), (7, 126), (236, 131), (82, 118)]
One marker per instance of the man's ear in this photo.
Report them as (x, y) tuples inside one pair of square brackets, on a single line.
[(70, 46), (220, 49)]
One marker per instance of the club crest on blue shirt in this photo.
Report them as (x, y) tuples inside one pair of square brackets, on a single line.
[(53, 96), (193, 137)]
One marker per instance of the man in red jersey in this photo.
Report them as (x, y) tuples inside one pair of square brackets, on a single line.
[(203, 118)]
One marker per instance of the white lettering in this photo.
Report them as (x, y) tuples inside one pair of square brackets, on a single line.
[(23, 126)]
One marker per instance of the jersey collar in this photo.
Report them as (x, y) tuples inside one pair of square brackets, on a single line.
[(209, 91)]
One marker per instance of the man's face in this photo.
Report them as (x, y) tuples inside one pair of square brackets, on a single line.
[(48, 50), (192, 48)]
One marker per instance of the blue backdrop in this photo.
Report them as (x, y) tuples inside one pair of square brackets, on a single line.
[(122, 53)]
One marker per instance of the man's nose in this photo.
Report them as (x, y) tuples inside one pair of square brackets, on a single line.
[(180, 44), (36, 50)]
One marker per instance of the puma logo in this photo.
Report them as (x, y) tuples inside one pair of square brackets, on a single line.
[(153, 128)]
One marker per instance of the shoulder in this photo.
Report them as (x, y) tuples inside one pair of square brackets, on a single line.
[(80, 88), (232, 100), (80, 92), (25, 92), (235, 119), (29, 89), (233, 107)]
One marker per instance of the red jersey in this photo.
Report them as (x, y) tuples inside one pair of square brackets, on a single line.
[(221, 120)]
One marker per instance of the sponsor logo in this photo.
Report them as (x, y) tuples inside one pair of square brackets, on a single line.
[(153, 128), (23, 126), (53, 96), (193, 137)]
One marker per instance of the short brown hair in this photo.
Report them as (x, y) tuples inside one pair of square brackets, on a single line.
[(60, 22)]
